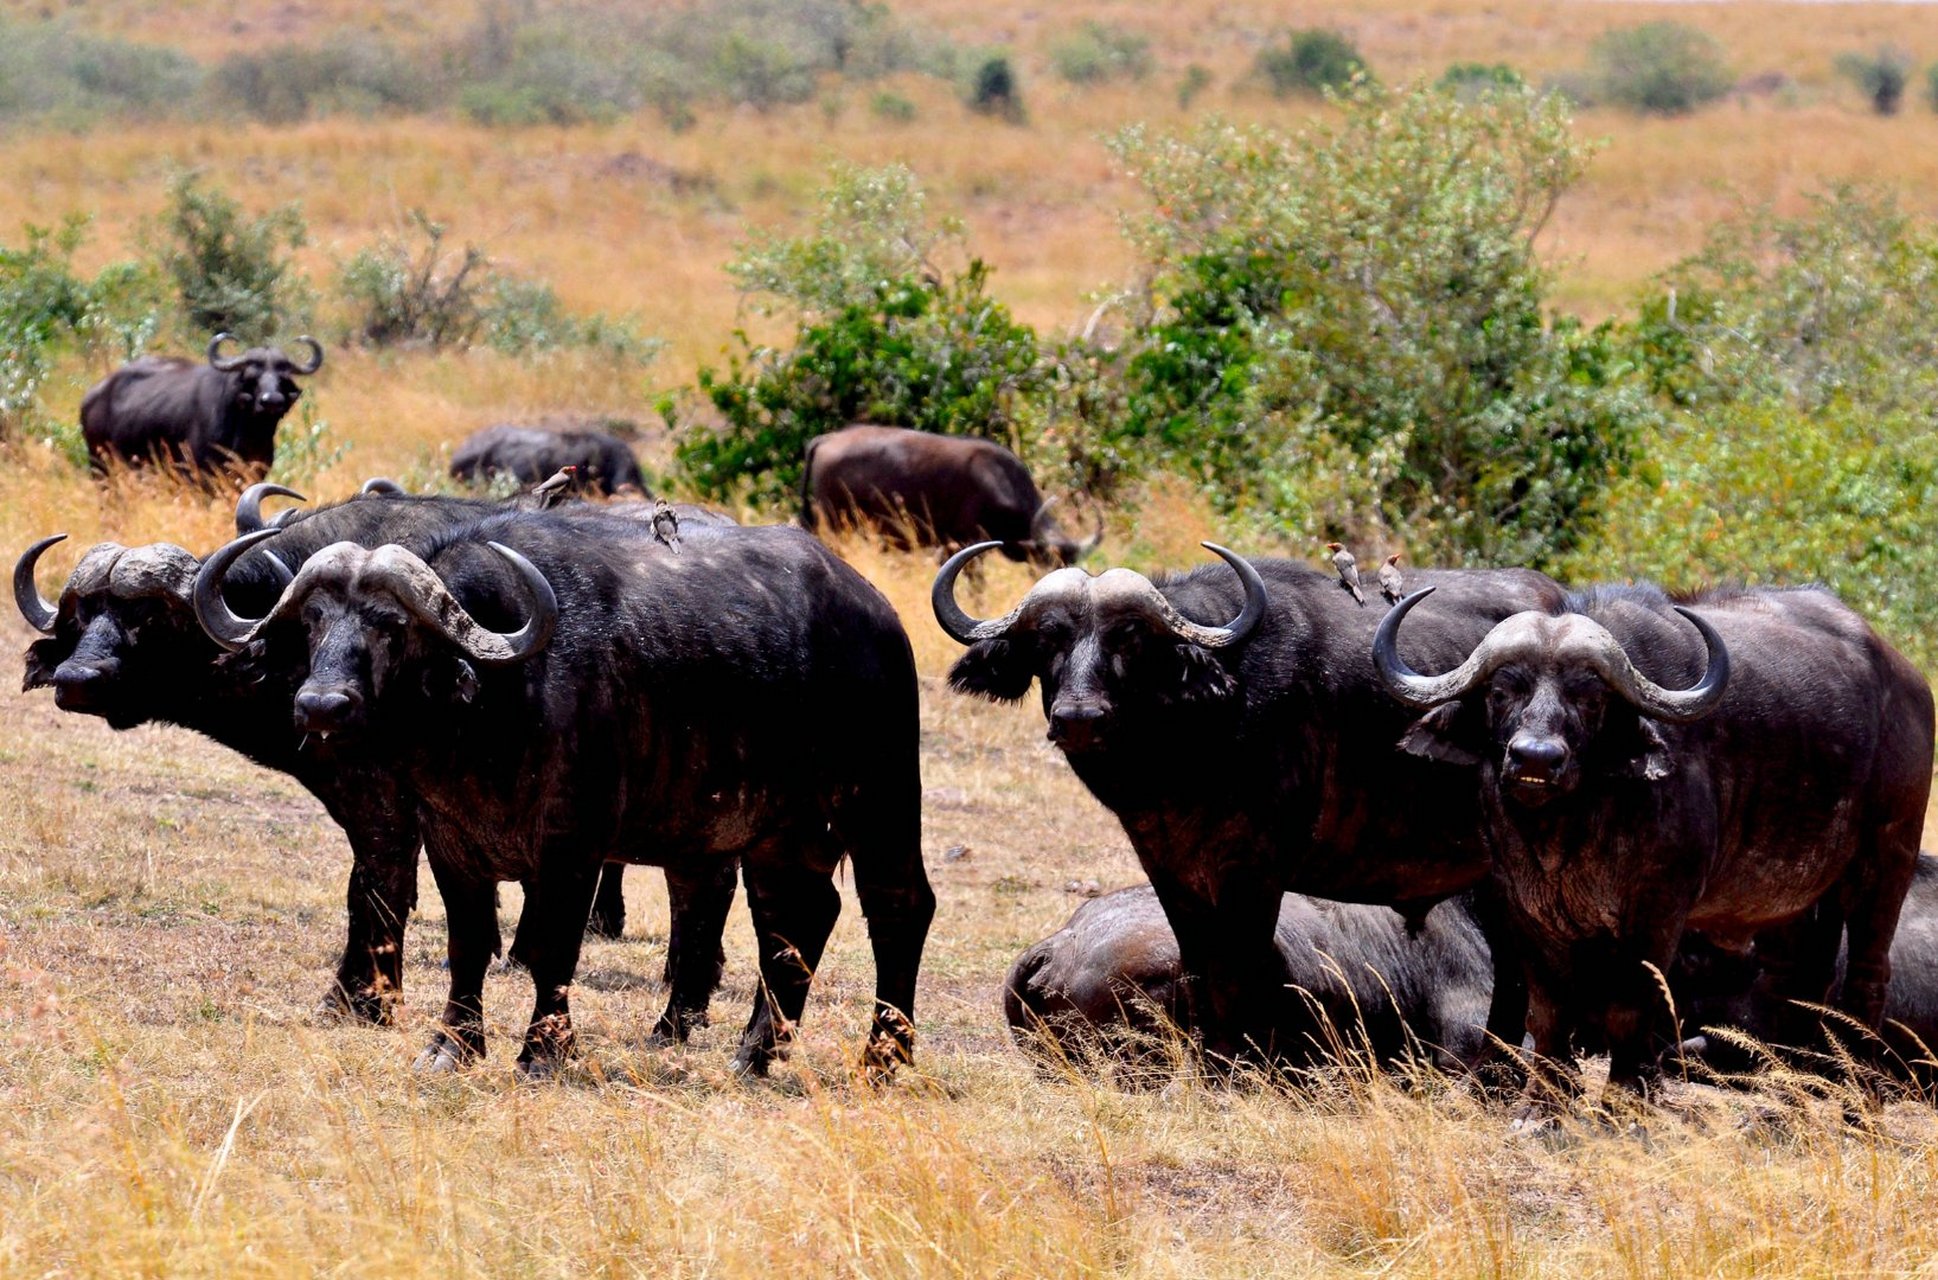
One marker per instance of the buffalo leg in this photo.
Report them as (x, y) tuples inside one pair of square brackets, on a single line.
[(608, 919), (794, 909), (1234, 973), (700, 899), (882, 831), (370, 977), (1499, 1067), (1553, 1080), (471, 912), (554, 923)]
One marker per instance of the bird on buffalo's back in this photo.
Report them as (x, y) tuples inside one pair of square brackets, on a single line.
[(666, 524), (1348, 568), (1390, 582), (563, 484)]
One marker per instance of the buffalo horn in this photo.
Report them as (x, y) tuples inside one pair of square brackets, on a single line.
[(1096, 539), (382, 487), (249, 506), (1677, 706), (417, 586), (949, 615), (316, 355), (222, 623), (38, 613), (227, 364), (1238, 628), (1416, 690)]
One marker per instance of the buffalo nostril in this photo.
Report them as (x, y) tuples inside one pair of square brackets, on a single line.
[(1546, 753), (324, 709)]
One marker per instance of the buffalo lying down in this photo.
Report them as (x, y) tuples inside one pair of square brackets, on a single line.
[(202, 417), (1112, 979), (528, 455)]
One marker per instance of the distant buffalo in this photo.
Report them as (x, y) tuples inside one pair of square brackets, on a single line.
[(1357, 980), (204, 418), (923, 489), (529, 456)]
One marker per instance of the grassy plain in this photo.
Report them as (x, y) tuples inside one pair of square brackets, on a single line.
[(168, 914)]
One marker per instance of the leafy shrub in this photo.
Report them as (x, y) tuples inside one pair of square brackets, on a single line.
[(1348, 334), (1097, 54), (49, 70), (1931, 86), (354, 73), (1476, 79), (1665, 68), (891, 107), (1196, 80), (883, 334), (1310, 62), (1882, 76), (993, 91), (231, 273), (525, 317)]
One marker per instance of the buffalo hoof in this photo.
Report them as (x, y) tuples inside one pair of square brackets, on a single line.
[(367, 1007), (751, 1064), (443, 1057), (605, 928)]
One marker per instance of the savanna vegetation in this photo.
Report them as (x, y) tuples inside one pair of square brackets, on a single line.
[(1603, 289)]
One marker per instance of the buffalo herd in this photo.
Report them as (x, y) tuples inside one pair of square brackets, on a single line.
[(1487, 823)]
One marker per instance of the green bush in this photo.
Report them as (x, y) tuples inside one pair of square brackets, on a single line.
[(1195, 81), (50, 71), (994, 91), (1882, 76), (1097, 54), (883, 333), (1310, 62), (1665, 68), (891, 107), (1348, 331), (1931, 86), (231, 273), (356, 74), (1477, 79)]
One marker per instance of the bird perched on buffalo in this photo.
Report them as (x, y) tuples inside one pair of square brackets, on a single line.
[(1348, 568), (563, 484), (1390, 582), (666, 524)]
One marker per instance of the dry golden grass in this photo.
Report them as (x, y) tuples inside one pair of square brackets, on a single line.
[(168, 913)]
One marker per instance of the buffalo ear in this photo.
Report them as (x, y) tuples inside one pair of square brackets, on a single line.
[(995, 669), (43, 659), (1644, 753), (1203, 677), (458, 681), (1447, 733)]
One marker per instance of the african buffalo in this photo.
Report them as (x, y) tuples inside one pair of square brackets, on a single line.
[(922, 489), (561, 692), (1753, 764), (1247, 757), (1361, 981), (202, 417), (529, 456)]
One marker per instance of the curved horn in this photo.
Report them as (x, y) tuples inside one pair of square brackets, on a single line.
[(249, 506), (227, 364), (38, 613), (1096, 539), (960, 627), (417, 586), (382, 487), (222, 623), (1235, 630), (1416, 690), (316, 355), (1677, 706)]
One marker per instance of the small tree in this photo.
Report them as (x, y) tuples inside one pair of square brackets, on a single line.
[(1882, 76), (1097, 54), (994, 91), (1311, 62), (1662, 67), (232, 273)]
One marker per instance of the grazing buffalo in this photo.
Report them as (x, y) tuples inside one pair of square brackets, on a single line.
[(1231, 718), (563, 691), (1753, 764), (1361, 982), (531, 456), (202, 417), (923, 489), (123, 644)]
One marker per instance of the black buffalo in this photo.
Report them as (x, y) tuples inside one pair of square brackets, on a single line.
[(204, 418), (1232, 720), (1753, 764), (529, 456), (1361, 982), (922, 489), (561, 692)]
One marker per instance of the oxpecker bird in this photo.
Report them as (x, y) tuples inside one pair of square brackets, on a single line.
[(1342, 560), (1389, 579), (563, 484), (666, 524)]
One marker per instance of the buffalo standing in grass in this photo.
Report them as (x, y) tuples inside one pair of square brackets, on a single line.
[(559, 695), (530, 456), (202, 417), (922, 489), (1361, 982), (1231, 718), (1754, 765)]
